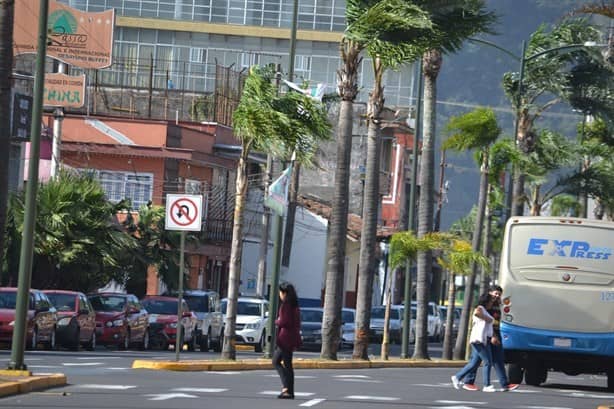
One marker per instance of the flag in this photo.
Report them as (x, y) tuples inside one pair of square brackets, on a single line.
[(277, 199), (316, 92)]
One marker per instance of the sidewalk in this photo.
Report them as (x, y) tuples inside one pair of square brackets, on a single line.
[(16, 382)]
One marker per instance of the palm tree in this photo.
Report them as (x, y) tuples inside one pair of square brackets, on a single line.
[(455, 21), (458, 258), (477, 130), (6, 68), (276, 125)]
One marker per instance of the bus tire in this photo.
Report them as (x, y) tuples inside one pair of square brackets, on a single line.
[(515, 373), (535, 375), (611, 380)]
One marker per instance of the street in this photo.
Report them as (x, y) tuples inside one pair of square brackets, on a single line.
[(105, 379)]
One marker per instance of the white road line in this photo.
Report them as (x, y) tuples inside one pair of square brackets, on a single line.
[(452, 407), (544, 407), (275, 393), (116, 369), (97, 357), (366, 397), (82, 364), (352, 376), (107, 387), (459, 402), (224, 372), (312, 402), (167, 396), (359, 380), (592, 396), (202, 390)]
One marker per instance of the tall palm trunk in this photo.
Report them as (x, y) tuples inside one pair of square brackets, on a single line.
[(486, 246), (536, 206), (459, 348), (431, 65), (368, 242), (6, 67), (526, 141), (335, 271), (234, 275), (448, 337)]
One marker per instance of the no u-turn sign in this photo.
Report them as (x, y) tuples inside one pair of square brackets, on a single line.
[(183, 212)]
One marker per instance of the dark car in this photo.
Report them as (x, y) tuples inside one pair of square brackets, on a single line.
[(76, 319), (311, 327), (120, 320), (41, 318), (163, 322)]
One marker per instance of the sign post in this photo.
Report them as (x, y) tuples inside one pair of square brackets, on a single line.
[(183, 213)]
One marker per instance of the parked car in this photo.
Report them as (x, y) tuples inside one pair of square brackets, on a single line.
[(395, 324), (348, 318), (311, 327), (121, 320), (443, 310), (210, 327), (41, 318), (163, 322), (76, 324), (434, 322), (250, 326)]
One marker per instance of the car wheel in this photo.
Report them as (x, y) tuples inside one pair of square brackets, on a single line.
[(192, 344), (91, 345), (610, 380), (74, 344), (259, 347), (220, 342), (50, 345), (126, 341), (205, 341), (145, 344), (34, 340)]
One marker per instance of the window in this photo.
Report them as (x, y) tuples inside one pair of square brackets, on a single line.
[(137, 187), (197, 55)]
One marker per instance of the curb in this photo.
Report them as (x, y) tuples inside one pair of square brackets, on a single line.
[(261, 364), (27, 383)]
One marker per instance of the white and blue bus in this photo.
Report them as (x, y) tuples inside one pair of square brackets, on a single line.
[(557, 308)]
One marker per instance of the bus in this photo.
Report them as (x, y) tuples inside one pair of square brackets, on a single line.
[(557, 308)]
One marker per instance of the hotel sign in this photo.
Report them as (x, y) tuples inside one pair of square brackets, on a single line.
[(75, 37)]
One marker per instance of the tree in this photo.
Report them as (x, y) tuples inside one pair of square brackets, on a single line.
[(457, 258), (277, 125), (6, 68), (78, 242), (477, 130), (455, 21)]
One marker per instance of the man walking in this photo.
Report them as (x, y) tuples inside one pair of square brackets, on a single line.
[(496, 346)]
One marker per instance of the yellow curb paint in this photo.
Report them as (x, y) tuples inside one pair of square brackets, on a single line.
[(9, 388), (14, 372), (32, 383)]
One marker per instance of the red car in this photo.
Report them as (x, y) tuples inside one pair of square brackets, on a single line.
[(41, 318), (120, 320), (163, 321), (76, 319)]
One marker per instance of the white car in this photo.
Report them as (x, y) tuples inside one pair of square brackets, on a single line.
[(395, 324), (348, 318), (250, 326), (434, 322)]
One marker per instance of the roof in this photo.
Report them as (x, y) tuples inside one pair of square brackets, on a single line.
[(321, 208), (128, 150)]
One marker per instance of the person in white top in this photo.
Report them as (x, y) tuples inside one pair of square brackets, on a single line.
[(481, 331)]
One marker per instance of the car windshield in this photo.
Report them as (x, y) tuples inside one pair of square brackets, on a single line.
[(311, 315), (108, 303), (165, 307), (8, 299), (197, 303), (347, 317), (380, 312), (62, 302)]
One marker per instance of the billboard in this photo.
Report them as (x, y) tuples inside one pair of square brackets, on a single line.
[(62, 90), (75, 37)]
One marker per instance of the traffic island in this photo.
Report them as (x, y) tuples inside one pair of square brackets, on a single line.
[(298, 363), (16, 382)]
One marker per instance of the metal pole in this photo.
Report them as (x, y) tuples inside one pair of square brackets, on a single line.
[(264, 241), (411, 217), (293, 40), (180, 330), (56, 144), (25, 257), (274, 294)]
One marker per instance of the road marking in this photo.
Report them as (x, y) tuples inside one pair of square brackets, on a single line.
[(459, 402), (82, 364), (359, 380), (544, 407), (117, 369), (203, 390), (225, 372), (452, 407), (167, 396), (107, 387), (275, 393), (366, 397), (312, 402), (83, 358), (352, 376), (592, 396)]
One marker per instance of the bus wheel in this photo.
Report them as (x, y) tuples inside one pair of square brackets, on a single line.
[(535, 375), (611, 381), (514, 373)]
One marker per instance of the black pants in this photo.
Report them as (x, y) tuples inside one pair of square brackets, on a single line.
[(285, 370)]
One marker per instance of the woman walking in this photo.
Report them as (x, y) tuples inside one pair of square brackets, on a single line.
[(481, 332), (288, 338)]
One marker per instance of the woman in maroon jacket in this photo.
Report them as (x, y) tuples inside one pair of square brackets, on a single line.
[(288, 338)]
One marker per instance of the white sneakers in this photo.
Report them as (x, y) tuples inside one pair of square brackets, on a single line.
[(455, 382), (489, 388)]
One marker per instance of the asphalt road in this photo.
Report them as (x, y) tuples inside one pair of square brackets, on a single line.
[(104, 379)]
